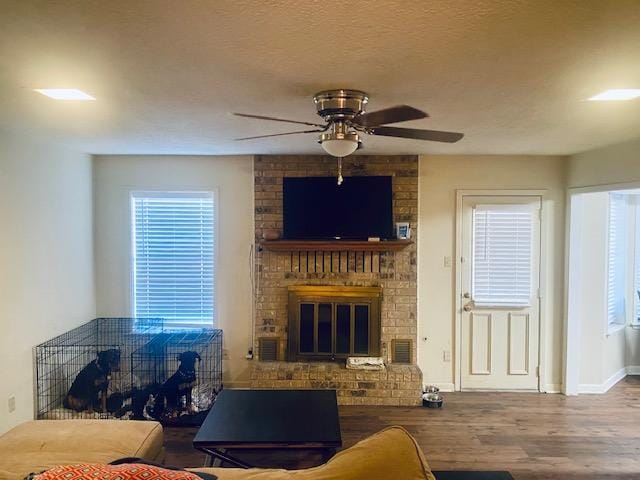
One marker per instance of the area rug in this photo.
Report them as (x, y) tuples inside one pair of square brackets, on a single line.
[(472, 475)]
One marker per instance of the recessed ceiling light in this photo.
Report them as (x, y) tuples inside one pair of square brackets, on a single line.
[(617, 94), (64, 93)]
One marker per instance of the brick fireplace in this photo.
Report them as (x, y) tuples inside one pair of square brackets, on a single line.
[(391, 273)]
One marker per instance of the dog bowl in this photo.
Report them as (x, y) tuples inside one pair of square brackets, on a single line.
[(431, 389), (432, 400)]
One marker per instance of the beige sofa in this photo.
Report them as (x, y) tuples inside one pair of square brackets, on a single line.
[(39, 445), (391, 454)]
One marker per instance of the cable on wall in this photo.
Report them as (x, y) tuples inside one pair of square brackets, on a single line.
[(254, 295)]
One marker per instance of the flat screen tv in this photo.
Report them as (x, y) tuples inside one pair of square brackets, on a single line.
[(317, 208)]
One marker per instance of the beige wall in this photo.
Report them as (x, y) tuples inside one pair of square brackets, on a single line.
[(440, 177), (46, 258), (602, 355), (614, 164), (232, 177), (592, 210)]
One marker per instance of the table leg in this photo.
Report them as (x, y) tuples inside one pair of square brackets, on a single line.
[(220, 455), (327, 453)]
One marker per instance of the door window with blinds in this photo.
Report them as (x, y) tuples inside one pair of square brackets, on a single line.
[(502, 255), (173, 253)]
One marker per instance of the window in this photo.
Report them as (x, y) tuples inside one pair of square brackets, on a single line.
[(616, 259), (173, 271), (502, 255)]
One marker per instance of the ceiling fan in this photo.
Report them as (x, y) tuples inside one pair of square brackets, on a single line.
[(346, 120)]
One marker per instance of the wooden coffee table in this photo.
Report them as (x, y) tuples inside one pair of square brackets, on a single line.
[(251, 419)]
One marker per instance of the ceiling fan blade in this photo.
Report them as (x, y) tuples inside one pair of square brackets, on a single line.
[(278, 134), (399, 113), (417, 134), (274, 119)]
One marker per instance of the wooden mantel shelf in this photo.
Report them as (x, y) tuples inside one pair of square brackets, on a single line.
[(334, 245)]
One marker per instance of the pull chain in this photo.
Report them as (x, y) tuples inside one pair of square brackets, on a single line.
[(340, 179)]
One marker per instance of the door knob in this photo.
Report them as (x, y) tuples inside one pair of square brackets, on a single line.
[(467, 307)]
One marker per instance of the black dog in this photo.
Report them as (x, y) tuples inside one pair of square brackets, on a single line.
[(89, 390), (179, 385), (139, 399)]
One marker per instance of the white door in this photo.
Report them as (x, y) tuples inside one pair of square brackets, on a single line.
[(500, 271)]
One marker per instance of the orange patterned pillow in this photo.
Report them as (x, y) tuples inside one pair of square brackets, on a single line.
[(114, 472)]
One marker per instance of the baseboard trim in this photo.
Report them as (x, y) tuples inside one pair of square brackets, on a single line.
[(445, 387), (591, 388), (633, 370), (606, 386), (583, 388), (553, 388)]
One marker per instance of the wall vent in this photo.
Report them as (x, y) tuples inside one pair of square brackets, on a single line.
[(268, 349), (401, 351)]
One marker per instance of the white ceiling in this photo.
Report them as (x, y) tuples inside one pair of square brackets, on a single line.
[(512, 75)]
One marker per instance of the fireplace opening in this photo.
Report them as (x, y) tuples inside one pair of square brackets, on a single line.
[(333, 322)]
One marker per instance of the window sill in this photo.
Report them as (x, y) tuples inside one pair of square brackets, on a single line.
[(615, 328)]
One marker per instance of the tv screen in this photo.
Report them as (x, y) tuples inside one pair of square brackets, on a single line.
[(319, 208)]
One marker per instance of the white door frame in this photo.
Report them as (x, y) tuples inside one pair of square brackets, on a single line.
[(457, 311), (572, 282)]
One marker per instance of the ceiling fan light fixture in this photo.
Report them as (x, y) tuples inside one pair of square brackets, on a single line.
[(343, 112), (339, 144)]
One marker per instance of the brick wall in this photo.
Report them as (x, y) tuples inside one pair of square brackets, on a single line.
[(396, 272)]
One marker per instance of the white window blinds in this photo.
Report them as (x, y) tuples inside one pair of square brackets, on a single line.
[(173, 257), (502, 255), (616, 259)]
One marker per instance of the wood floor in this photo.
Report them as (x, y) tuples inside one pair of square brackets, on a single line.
[(534, 436)]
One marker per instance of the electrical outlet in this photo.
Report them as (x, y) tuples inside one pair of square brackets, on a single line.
[(447, 262), (12, 404), (446, 355)]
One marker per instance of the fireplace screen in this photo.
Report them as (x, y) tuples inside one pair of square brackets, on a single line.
[(333, 322)]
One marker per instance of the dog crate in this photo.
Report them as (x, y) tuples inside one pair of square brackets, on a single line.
[(59, 361), (156, 362)]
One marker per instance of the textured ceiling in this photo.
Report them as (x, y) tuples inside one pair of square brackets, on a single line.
[(512, 75)]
